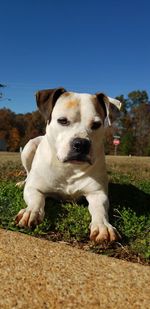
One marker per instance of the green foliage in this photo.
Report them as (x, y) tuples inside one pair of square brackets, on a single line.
[(127, 142), (133, 124), (137, 97), (11, 202), (70, 220), (74, 223), (131, 225), (141, 245)]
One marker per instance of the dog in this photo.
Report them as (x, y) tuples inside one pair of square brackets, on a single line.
[(68, 161)]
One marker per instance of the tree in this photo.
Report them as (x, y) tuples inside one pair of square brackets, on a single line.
[(7, 119), (134, 123), (127, 144), (135, 98), (35, 126), (141, 128), (14, 140), (1, 94)]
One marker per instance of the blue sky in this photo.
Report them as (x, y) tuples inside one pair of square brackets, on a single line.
[(82, 45)]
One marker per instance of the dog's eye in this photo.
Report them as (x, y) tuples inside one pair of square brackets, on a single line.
[(63, 121), (96, 125)]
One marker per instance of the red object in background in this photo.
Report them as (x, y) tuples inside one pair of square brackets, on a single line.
[(116, 142)]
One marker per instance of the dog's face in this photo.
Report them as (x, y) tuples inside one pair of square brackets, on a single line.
[(75, 123)]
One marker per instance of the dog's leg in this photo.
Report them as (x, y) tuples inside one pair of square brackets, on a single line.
[(34, 213), (27, 156), (101, 229), (29, 151)]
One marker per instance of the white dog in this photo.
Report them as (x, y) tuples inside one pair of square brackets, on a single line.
[(68, 161)]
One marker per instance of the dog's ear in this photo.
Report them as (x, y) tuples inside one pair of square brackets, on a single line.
[(109, 106), (46, 100)]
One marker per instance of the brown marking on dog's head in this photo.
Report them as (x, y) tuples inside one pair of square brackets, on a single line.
[(71, 104), (46, 100), (66, 94)]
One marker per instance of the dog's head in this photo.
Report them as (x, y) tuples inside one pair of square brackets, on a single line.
[(75, 123)]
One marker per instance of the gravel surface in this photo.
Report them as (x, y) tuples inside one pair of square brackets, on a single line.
[(36, 273)]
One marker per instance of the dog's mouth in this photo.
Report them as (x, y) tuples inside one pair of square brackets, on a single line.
[(78, 159)]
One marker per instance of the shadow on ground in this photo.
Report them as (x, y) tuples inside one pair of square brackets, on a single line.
[(129, 196), (122, 195)]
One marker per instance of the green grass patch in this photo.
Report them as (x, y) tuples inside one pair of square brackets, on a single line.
[(129, 213), (68, 221)]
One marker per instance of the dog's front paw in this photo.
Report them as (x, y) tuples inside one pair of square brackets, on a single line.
[(29, 218), (103, 233)]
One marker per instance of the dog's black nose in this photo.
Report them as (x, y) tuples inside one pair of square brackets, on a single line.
[(81, 145)]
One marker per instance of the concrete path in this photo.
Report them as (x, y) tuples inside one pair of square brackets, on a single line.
[(35, 273)]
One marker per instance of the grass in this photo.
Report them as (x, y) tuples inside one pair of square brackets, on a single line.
[(129, 194)]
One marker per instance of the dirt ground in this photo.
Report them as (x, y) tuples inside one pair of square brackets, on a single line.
[(9, 156), (138, 167), (36, 273)]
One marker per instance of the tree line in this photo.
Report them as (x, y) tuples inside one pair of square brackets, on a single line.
[(132, 125)]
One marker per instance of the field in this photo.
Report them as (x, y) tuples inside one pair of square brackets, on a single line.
[(129, 194)]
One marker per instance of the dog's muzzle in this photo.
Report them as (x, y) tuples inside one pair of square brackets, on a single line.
[(79, 151)]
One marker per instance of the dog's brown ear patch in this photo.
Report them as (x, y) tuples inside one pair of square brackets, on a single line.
[(101, 97), (110, 107), (46, 100)]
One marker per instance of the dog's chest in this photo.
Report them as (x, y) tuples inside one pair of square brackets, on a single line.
[(69, 186), (69, 183), (64, 180), (73, 185)]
